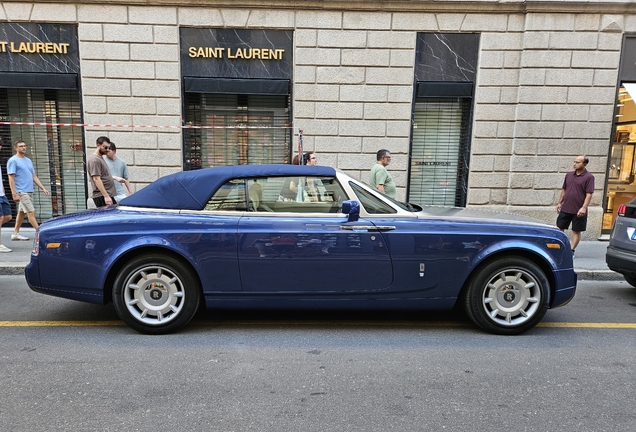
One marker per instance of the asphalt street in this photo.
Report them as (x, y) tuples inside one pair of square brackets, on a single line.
[(73, 366)]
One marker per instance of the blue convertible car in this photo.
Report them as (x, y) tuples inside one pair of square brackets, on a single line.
[(284, 236)]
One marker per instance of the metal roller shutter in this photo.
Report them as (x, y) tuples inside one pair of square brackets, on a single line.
[(440, 152)]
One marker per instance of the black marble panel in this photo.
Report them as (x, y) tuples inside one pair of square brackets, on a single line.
[(32, 47), (446, 57), (231, 53)]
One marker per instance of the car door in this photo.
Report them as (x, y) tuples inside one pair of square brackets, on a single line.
[(305, 243)]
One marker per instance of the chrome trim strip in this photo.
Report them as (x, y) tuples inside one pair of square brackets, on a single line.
[(148, 210)]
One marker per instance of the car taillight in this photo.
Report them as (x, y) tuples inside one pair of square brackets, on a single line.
[(622, 209)]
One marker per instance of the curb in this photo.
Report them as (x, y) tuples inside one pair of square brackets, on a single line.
[(582, 275), (12, 269), (598, 275)]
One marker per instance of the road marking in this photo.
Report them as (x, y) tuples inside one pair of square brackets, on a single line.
[(60, 323), (588, 325), (607, 325)]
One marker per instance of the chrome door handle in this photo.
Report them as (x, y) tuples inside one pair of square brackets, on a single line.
[(367, 227)]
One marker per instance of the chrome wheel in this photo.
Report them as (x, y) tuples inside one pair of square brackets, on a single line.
[(154, 295), (507, 296), (512, 297)]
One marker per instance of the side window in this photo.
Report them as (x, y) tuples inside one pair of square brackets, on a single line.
[(229, 197), (295, 194), (371, 203)]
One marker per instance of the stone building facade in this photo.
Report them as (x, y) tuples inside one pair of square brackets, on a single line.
[(545, 90)]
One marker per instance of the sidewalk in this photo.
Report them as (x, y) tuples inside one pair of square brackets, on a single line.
[(589, 261), (13, 263)]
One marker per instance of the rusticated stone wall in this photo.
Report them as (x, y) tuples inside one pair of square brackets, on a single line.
[(545, 92)]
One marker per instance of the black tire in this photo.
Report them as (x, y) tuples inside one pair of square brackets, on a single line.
[(507, 296), (155, 294), (630, 280)]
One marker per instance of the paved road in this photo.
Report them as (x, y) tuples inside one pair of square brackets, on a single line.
[(350, 372)]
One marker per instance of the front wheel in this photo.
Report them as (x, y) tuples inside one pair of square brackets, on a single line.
[(155, 294), (507, 296)]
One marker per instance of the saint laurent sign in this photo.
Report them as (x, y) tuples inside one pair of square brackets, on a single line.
[(34, 47), (39, 47), (236, 53)]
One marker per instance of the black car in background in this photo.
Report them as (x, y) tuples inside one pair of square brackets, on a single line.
[(621, 252)]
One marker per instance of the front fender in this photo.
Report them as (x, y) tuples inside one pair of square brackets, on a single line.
[(554, 259)]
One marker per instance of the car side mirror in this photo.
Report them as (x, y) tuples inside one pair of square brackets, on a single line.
[(352, 209)]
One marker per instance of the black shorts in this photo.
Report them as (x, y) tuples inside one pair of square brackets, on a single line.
[(578, 223)]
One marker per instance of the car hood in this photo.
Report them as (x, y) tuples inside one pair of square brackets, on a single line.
[(478, 215)]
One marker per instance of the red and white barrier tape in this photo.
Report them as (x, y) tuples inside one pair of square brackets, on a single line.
[(13, 123)]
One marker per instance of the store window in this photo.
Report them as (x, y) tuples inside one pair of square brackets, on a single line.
[(445, 73), (439, 152), (621, 184), (56, 151), (266, 140), (236, 93)]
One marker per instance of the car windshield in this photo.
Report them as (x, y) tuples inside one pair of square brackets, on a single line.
[(402, 205)]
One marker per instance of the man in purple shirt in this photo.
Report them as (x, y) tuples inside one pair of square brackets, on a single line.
[(575, 198)]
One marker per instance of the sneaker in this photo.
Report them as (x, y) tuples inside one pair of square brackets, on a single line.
[(3, 248), (18, 237)]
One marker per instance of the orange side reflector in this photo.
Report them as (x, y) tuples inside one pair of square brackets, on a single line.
[(553, 245), (53, 245)]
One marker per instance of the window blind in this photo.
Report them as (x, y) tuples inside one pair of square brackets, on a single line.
[(440, 152)]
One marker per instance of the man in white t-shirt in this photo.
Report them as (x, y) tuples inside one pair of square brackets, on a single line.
[(119, 170)]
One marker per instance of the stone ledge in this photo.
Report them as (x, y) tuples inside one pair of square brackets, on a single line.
[(454, 6)]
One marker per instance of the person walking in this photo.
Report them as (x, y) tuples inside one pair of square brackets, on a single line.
[(380, 177), (21, 178), (5, 208), (119, 171), (103, 184), (576, 194)]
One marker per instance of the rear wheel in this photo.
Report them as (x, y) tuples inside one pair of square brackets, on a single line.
[(155, 294), (507, 296)]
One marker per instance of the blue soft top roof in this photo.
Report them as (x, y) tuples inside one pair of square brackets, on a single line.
[(191, 190)]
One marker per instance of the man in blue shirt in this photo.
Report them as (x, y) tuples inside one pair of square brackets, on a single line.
[(21, 177), (5, 208)]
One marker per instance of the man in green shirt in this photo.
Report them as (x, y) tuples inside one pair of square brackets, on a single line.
[(380, 177)]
